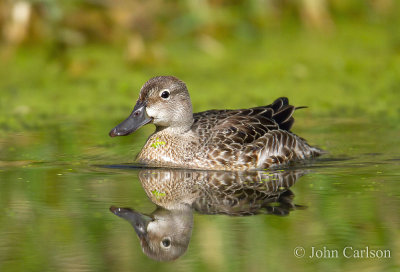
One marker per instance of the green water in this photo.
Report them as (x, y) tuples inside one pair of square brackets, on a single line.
[(55, 211)]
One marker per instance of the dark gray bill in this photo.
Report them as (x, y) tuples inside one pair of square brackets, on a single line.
[(138, 221), (137, 119)]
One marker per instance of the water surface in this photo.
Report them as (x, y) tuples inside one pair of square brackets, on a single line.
[(57, 186)]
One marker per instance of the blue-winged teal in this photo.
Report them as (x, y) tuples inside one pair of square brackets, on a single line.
[(255, 138), (165, 233)]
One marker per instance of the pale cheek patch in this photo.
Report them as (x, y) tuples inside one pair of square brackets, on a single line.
[(151, 112), (158, 117)]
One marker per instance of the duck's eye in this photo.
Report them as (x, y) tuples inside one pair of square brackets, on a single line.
[(164, 94), (166, 242)]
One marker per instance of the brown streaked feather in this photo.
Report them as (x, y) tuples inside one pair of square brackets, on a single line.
[(233, 193), (257, 136), (246, 125)]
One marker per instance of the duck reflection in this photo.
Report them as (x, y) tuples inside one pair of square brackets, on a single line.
[(165, 233)]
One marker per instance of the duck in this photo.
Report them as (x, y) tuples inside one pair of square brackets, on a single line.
[(240, 139), (232, 193), (164, 234)]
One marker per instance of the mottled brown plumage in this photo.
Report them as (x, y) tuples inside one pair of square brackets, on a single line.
[(232, 193), (165, 233), (255, 138)]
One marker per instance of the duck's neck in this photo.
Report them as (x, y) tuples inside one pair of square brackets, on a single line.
[(177, 129)]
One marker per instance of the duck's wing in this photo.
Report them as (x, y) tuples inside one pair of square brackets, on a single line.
[(238, 194), (244, 126)]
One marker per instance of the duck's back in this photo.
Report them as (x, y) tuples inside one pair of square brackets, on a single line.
[(250, 138)]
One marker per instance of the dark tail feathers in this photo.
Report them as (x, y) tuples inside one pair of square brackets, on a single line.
[(283, 113)]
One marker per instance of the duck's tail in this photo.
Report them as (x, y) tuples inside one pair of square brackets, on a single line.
[(282, 113)]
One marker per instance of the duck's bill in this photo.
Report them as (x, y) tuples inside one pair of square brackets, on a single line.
[(138, 221), (137, 119)]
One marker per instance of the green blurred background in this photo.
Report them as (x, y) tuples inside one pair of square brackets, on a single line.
[(84, 61)]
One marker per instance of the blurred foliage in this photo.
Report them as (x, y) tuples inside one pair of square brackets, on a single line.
[(84, 61), (143, 27)]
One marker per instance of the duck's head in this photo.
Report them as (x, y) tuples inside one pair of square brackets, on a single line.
[(163, 101), (164, 235)]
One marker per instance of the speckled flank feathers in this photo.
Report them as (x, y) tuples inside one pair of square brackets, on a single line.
[(233, 193)]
